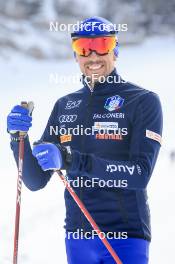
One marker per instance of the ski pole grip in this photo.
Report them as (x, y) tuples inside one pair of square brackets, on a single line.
[(24, 104), (30, 107)]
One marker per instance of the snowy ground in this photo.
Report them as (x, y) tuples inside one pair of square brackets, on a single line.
[(42, 218)]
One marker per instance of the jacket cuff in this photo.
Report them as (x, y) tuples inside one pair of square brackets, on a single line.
[(74, 165), (81, 163)]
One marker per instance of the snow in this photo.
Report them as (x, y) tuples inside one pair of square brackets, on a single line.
[(42, 214)]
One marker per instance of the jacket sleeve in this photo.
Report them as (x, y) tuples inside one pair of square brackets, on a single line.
[(144, 148), (33, 176)]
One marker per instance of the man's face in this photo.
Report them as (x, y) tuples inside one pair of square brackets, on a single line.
[(96, 66)]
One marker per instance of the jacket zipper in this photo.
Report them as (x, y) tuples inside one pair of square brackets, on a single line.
[(83, 141)]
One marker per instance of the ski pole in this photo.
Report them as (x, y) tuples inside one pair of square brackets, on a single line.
[(22, 135), (89, 217)]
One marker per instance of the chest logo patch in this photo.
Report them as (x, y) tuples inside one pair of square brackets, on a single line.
[(114, 103), (73, 104), (65, 138)]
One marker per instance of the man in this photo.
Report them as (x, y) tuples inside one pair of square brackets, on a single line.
[(116, 158)]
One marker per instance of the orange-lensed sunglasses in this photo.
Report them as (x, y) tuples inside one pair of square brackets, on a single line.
[(101, 45)]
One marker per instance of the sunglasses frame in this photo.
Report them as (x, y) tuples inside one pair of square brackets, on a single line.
[(92, 37)]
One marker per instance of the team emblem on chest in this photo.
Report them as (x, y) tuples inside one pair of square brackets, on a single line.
[(114, 103)]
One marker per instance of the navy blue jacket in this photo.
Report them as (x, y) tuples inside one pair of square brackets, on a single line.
[(125, 153)]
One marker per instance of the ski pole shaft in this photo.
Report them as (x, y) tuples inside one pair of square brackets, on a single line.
[(18, 196), (19, 185), (89, 218)]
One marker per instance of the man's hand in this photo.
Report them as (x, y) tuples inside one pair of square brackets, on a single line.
[(19, 120), (51, 156)]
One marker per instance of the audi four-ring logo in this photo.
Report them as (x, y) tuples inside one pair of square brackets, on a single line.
[(67, 118)]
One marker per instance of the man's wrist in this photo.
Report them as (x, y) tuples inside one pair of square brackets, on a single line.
[(66, 153)]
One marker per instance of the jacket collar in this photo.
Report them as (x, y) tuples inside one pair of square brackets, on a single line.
[(113, 80)]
